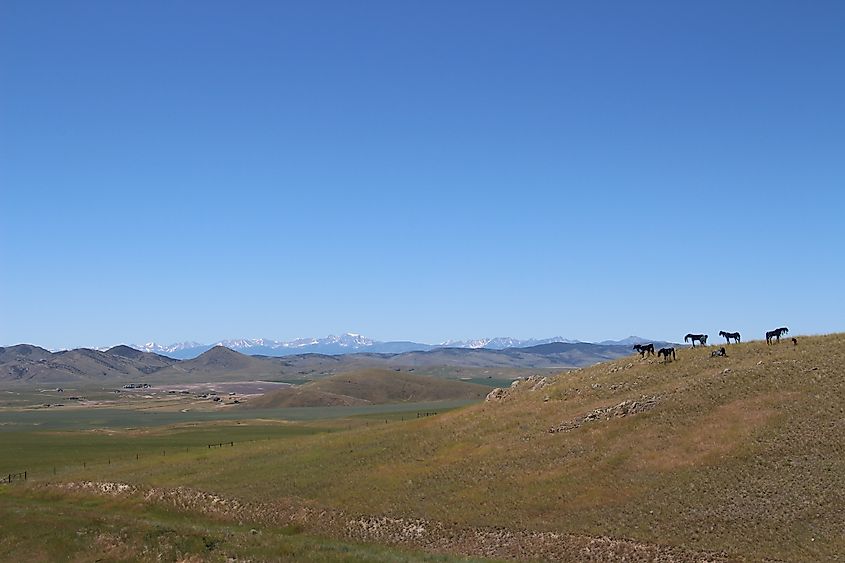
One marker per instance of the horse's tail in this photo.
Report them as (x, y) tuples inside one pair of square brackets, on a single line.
[(687, 337)]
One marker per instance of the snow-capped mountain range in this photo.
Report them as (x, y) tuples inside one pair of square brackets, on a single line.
[(503, 342), (349, 343)]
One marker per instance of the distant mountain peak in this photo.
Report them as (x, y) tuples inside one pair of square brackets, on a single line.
[(503, 342)]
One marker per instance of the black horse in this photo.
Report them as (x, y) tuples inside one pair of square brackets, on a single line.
[(721, 352), (728, 335), (776, 334), (701, 338), (644, 349), (665, 353)]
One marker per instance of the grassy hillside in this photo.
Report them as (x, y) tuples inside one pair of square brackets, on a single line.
[(304, 396), (703, 458), (372, 386)]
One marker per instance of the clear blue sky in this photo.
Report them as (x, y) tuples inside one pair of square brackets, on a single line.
[(419, 170)]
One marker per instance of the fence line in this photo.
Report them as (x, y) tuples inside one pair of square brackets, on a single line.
[(14, 477), (23, 475)]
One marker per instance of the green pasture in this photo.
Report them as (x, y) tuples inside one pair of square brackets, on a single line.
[(43, 441)]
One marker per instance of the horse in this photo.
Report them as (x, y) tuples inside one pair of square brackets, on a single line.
[(721, 352), (665, 353), (701, 338), (794, 341), (728, 335), (776, 334), (644, 349)]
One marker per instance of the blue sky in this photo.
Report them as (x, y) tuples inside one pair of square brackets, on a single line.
[(419, 170)]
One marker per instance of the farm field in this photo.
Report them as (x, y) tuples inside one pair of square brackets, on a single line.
[(703, 458), (38, 441)]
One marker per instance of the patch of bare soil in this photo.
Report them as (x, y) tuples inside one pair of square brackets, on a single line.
[(625, 408)]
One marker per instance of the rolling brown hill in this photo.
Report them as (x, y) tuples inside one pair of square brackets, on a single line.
[(30, 364), (152, 361), (222, 364), (372, 386)]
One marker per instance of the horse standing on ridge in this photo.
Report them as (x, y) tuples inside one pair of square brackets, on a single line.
[(644, 349), (700, 338), (728, 335), (665, 353), (776, 334)]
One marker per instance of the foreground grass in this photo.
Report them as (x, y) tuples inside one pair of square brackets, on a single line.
[(53, 526)]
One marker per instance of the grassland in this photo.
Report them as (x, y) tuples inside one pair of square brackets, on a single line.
[(54, 526), (740, 458), (372, 386)]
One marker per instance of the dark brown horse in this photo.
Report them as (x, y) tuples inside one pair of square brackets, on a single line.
[(665, 353), (728, 335), (700, 338), (776, 334), (644, 349)]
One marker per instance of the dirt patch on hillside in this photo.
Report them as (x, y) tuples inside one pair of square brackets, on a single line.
[(713, 435), (427, 535), (625, 408)]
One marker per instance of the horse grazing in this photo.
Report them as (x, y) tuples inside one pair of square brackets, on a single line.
[(665, 353), (700, 338), (776, 334), (644, 349), (728, 335)]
